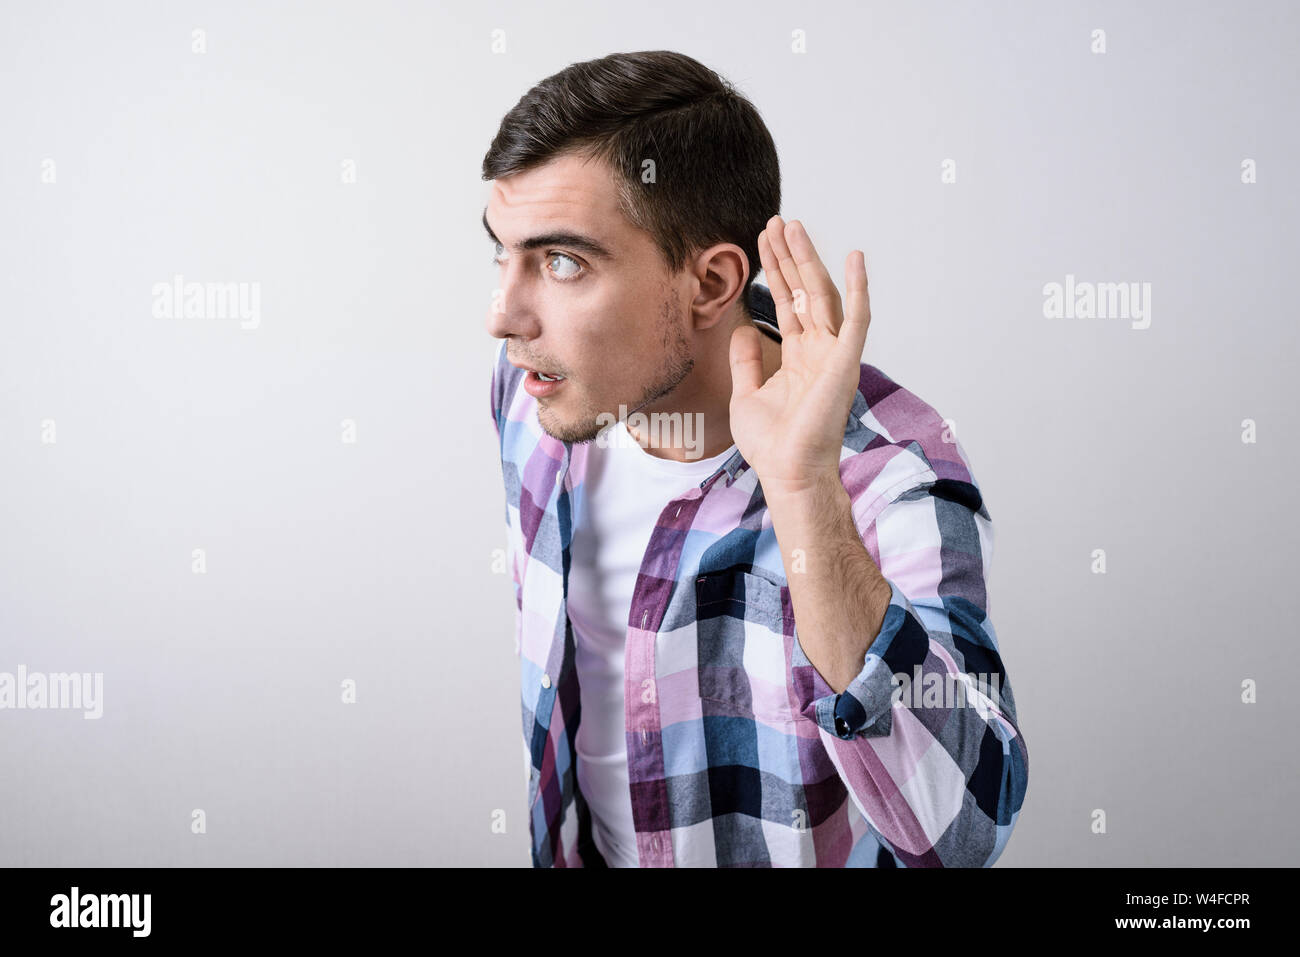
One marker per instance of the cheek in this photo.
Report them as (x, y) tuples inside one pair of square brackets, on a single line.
[(617, 349)]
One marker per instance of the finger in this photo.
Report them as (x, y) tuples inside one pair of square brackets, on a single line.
[(823, 298), (776, 230), (746, 361), (857, 304), (785, 317)]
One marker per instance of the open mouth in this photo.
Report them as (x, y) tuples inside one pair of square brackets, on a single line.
[(542, 385)]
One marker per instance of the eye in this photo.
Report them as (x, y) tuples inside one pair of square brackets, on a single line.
[(572, 262), (497, 250)]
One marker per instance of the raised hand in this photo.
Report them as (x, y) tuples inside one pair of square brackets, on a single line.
[(790, 429)]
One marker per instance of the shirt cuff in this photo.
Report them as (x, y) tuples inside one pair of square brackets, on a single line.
[(864, 708)]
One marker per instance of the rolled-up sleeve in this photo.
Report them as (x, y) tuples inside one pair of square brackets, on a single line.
[(925, 737)]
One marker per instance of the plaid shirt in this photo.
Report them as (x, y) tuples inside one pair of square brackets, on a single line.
[(739, 752)]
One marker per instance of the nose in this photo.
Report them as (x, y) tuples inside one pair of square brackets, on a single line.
[(510, 313)]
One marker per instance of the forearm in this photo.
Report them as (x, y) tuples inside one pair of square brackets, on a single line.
[(838, 593)]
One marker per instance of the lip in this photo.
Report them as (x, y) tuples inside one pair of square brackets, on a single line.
[(539, 389), (533, 385)]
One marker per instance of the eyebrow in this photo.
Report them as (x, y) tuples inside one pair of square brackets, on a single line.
[(561, 237)]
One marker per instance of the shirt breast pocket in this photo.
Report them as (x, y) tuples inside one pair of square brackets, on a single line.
[(743, 654)]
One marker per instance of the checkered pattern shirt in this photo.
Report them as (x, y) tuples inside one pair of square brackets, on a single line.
[(739, 752)]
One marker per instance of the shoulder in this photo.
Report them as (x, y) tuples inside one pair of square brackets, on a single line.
[(896, 443)]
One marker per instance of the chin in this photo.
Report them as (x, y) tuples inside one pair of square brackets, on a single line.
[(582, 430)]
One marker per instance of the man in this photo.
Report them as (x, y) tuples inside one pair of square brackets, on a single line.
[(739, 645)]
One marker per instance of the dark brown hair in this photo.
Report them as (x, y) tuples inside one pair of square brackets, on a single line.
[(716, 173)]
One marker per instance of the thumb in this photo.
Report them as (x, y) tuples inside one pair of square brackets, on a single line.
[(746, 362)]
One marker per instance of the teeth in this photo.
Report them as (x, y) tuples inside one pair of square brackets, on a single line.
[(549, 378)]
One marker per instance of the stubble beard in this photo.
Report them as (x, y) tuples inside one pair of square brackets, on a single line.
[(679, 364)]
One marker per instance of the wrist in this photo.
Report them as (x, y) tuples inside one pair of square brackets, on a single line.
[(816, 494)]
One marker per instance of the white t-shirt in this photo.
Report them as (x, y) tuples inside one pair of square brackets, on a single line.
[(626, 489)]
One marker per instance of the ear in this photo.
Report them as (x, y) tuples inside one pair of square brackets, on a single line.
[(721, 271)]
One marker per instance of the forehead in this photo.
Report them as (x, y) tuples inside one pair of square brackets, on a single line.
[(565, 191)]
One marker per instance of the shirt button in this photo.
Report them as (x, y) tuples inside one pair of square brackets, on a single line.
[(654, 843), (546, 681), (841, 727)]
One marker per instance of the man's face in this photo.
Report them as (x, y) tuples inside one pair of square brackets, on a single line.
[(589, 298)]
